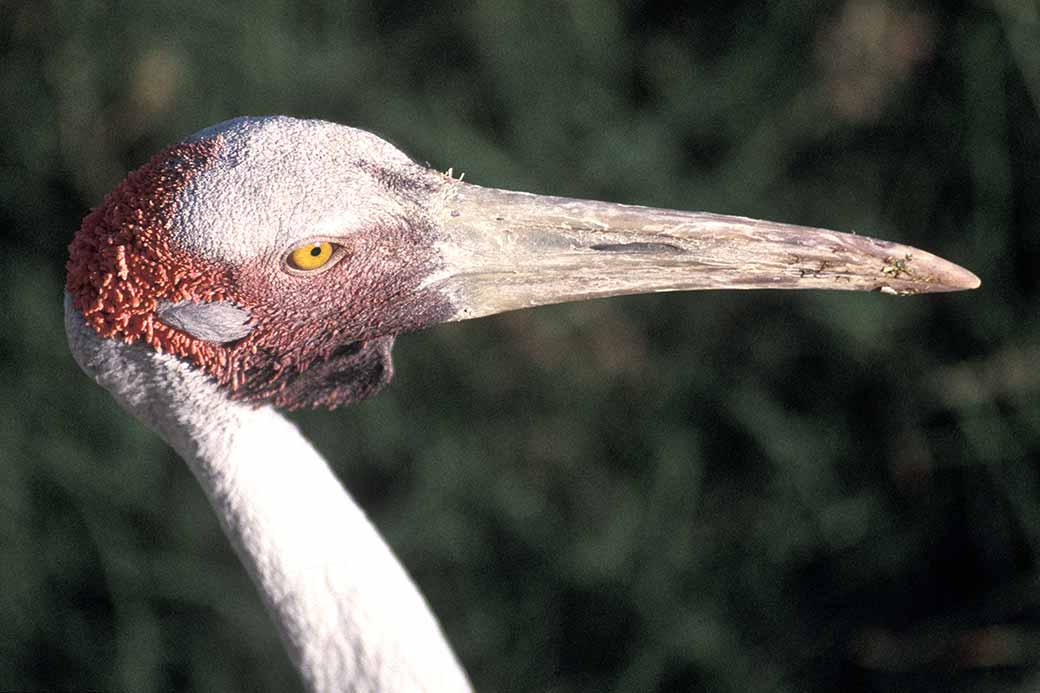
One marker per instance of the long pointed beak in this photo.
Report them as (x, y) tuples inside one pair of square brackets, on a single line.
[(506, 250)]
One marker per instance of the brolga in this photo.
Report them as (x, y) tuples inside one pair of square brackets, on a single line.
[(269, 263)]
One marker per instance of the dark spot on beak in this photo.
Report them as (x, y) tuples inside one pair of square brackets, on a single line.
[(636, 248)]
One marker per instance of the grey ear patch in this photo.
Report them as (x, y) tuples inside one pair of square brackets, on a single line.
[(216, 321)]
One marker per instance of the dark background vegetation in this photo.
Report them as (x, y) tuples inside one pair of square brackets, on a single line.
[(759, 491)]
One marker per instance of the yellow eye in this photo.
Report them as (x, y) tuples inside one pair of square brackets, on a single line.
[(311, 256)]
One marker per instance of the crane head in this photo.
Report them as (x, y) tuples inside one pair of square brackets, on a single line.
[(282, 256)]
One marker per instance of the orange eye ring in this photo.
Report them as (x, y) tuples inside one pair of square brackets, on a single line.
[(310, 256)]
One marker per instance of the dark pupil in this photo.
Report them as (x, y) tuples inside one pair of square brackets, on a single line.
[(316, 251)]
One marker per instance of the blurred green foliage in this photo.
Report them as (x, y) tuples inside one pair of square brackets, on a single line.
[(730, 492)]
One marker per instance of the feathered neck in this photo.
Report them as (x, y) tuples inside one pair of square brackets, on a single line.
[(349, 614)]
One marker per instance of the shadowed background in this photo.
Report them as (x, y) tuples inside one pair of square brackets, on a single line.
[(759, 491)]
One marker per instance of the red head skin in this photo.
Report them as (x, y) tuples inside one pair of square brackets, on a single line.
[(320, 340)]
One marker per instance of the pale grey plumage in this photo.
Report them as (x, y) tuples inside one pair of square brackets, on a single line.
[(214, 321), (414, 247)]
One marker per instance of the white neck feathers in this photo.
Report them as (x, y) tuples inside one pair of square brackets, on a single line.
[(350, 616)]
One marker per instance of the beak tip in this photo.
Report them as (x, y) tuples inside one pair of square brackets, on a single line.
[(928, 273), (958, 278)]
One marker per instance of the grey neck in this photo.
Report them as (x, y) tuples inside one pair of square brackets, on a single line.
[(349, 614)]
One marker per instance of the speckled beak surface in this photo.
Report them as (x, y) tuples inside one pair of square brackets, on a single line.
[(508, 250)]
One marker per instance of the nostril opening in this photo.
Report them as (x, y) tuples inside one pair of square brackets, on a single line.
[(636, 248)]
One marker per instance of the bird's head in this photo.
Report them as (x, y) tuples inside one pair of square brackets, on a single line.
[(279, 255), (283, 256)]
